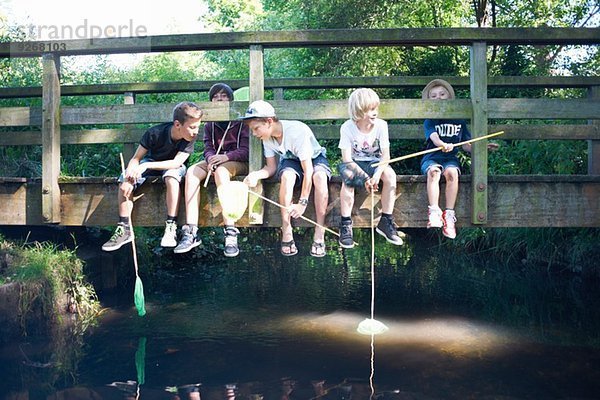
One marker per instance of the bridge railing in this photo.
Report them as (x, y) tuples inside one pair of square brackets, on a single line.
[(479, 109)]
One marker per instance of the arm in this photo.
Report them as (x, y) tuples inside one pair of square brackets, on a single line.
[(373, 183), (209, 148), (176, 162), (265, 172), (435, 139), (241, 153)]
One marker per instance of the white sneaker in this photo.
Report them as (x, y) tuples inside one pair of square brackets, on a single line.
[(449, 229), (169, 239), (435, 217)]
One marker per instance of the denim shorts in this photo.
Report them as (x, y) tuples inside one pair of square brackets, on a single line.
[(176, 173), (452, 163), (320, 164)]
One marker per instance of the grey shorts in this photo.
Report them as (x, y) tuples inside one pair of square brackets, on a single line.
[(320, 164)]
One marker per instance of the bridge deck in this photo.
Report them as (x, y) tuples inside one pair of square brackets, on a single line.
[(514, 201)]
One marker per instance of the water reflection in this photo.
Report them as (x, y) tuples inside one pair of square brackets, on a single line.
[(263, 327)]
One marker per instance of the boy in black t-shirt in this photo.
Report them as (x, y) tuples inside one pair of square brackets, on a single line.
[(163, 151)]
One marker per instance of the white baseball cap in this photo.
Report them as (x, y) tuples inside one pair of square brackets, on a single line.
[(259, 109)]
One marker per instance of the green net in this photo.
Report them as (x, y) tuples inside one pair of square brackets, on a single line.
[(233, 197), (138, 297)]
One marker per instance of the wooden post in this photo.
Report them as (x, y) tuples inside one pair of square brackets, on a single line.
[(257, 92), (128, 148), (479, 123), (50, 138), (277, 93), (594, 145)]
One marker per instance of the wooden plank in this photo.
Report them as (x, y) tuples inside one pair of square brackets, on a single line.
[(479, 123), (544, 108), (50, 139), (322, 132), (514, 201), (306, 83), (312, 110), (255, 162), (306, 38), (594, 145)]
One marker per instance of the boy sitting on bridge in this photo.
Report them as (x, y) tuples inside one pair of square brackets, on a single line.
[(302, 159), (163, 151), (364, 140), (226, 147), (443, 133)]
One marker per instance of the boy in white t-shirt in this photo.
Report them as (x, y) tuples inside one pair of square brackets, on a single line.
[(364, 141), (301, 159)]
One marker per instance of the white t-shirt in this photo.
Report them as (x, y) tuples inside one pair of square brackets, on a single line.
[(298, 143), (364, 146)]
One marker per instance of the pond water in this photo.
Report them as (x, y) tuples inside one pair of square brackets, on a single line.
[(264, 326)]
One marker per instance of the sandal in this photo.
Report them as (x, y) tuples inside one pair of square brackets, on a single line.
[(292, 250), (317, 249)]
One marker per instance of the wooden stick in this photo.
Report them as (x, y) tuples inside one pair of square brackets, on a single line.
[(302, 216), (210, 170), (135, 262), (420, 153)]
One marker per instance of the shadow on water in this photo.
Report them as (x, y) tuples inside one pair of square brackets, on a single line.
[(266, 326)]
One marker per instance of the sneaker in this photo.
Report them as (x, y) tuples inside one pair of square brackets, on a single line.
[(189, 240), (449, 230), (346, 240), (387, 228), (121, 236), (169, 239), (231, 244), (435, 217)]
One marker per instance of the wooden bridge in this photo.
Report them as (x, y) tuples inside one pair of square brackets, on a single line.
[(497, 200)]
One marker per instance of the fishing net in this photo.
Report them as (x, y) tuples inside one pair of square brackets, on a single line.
[(233, 197), (140, 361), (138, 297)]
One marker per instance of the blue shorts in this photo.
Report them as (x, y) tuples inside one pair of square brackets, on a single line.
[(176, 173), (320, 164), (452, 163)]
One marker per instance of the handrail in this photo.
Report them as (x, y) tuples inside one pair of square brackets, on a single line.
[(305, 83), (306, 38)]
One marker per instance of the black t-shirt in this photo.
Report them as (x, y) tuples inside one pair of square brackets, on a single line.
[(157, 140)]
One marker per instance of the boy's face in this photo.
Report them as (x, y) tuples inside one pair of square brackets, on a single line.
[(371, 115), (438, 93), (261, 129), (189, 129), (221, 96)]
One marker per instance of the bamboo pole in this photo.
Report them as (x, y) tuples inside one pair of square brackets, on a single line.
[(420, 153)]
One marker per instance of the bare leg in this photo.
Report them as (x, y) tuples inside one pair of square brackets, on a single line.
[(222, 175), (125, 203), (286, 191), (346, 200), (451, 175), (193, 179), (321, 198), (388, 193), (433, 186), (173, 189)]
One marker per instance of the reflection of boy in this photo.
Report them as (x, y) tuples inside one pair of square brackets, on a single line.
[(443, 133), (163, 151), (226, 154), (364, 141), (302, 159)]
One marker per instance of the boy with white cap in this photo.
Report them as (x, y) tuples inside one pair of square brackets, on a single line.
[(301, 159)]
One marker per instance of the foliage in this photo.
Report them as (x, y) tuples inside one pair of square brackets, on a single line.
[(51, 279)]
